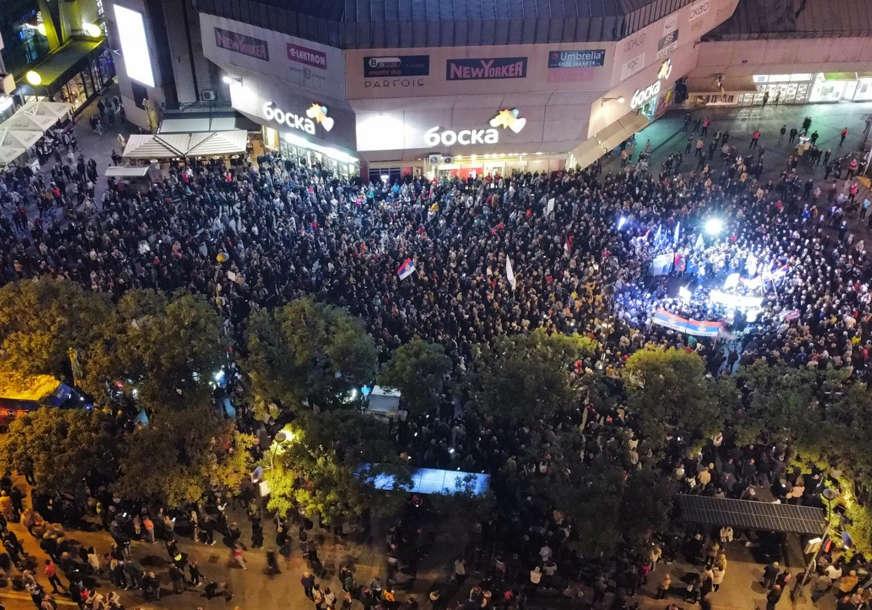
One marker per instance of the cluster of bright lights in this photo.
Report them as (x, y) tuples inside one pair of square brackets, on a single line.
[(713, 226)]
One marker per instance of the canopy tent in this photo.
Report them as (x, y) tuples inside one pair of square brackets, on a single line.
[(39, 115), (121, 171), (170, 145), (24, 128)]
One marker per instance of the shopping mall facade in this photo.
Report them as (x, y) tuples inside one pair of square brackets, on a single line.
[(548, 93), (433, 87)]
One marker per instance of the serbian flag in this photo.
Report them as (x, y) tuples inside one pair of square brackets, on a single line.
[(406, 269), (567, 245)]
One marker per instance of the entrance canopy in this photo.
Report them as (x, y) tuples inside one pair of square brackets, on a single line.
[(171, 145), (607, 139), (750, 515)]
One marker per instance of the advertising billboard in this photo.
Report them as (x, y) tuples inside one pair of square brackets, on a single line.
[(134, 47), (396, 65), (486, 68), (574, 65), (240, 43), (317, 69)]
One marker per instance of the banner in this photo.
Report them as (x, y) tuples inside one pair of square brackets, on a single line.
[(486, 68), (697, 328), (662, 264)]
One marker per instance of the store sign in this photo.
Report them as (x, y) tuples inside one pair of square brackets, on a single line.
[(486, 68), (307, 56), (289, 119), (318, 113), (464, 137), (507, 118), (587, 58), (643, 96), (397, 65), (241, 43)]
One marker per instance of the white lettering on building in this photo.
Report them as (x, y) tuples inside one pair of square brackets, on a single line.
[(641, 96), (288, 119), (464, 137)]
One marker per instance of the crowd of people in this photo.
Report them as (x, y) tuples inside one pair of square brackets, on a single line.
[(581, 245)]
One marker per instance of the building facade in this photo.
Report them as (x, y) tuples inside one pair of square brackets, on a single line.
[(453, 93), (809, 51)]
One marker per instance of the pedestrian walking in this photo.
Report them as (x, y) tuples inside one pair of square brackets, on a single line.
[(770, 573), (765, 98), (755, 138), (842, 135), (307, 580), (781, 133)]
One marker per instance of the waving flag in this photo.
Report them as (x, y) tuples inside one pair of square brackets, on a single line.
[(406, 269), (510, 274)]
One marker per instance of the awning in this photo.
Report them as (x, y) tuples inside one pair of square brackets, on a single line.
[(170, 145), (750, 515), (196, 124), (608, 139), (62, 63), (39, 115), (24, 128), (121, 171)]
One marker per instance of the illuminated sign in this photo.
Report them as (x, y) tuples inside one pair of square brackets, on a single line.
[(643, 96), (289, 119), (240, 43), (397, 65), (464, 137), (134, 48), (318, 113), (486, 69), (307, 56), (507, 118)]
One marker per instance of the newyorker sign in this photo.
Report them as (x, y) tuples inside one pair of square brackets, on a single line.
[(240, 43), (487, 68)]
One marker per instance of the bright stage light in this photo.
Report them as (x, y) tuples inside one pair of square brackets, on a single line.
[(713, 226), (684, 294), (621, 222)]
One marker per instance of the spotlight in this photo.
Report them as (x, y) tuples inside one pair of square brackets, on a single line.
[(713, 226)]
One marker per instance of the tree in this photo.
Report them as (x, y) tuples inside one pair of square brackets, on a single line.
[(181, 455), (645, 505), (60, 448), (40, 320), (168, 348), (528, 378), (319, 470), (781, 401), (668, 390), (307, 353), (417, 369)]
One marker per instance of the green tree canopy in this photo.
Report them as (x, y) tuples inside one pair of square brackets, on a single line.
[(59, 448), (40, 320), (528, 378), (307, 352), (316, 471), (181, 455), (669, 392), (168, 348), (417, 369)]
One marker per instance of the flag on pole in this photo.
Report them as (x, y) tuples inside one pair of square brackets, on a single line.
[(550, 207), (406, 269), (510, 274), (567, 245), (677, 232)]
